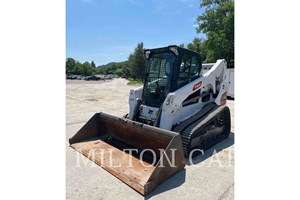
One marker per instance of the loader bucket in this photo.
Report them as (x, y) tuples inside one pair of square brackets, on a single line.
[(141, 156)]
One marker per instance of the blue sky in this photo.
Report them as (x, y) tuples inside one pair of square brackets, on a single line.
[(108, 30)]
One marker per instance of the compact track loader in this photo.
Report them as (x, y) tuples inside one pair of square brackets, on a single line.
[(178, 111)]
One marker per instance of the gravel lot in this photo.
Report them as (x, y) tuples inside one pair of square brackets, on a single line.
[(210, 177)]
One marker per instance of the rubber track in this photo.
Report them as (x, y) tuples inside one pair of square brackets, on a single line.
[(191, 128)]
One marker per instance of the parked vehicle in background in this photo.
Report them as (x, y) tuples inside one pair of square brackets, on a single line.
[(72, 77), (110, 76), (92, 78), (80, 77)]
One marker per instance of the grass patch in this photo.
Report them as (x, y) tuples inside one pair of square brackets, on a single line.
[(134, 81)]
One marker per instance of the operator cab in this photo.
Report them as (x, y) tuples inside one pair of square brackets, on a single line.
[(168, 69)]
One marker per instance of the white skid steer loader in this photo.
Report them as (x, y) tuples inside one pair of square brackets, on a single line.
[(177, 112)]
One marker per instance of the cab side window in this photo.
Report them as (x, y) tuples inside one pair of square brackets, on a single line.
[(184, 69), (195, 67), (188, 70)]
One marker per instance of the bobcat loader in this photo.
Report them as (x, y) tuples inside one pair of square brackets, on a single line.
[(177, 112)]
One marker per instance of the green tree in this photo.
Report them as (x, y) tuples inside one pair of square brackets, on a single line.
[(78, 69), (113, 67), (70, 64), (93, 64), (126, 70), (217, 23), (118, 71), (100, 70), (198, 45), (87, 69), (137, 63)]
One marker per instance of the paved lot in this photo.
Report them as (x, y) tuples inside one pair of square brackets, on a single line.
[(211, 176)]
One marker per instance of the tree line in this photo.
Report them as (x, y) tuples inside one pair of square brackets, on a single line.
[(216, 23), (132, 68), (78, 68)]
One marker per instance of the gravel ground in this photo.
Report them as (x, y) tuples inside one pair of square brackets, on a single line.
[(210, 177)]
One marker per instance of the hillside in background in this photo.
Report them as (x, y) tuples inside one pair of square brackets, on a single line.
[(118, 68)]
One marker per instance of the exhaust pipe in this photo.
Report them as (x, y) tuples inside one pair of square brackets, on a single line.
[(140, 155)]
